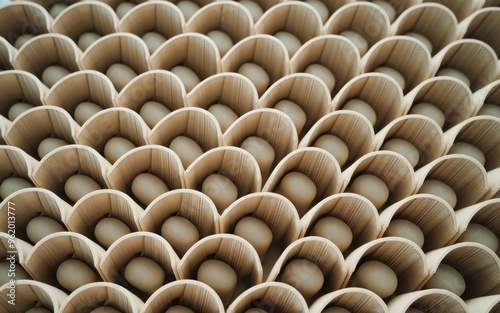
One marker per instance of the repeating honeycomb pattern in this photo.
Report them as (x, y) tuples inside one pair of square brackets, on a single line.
[(154, 41)]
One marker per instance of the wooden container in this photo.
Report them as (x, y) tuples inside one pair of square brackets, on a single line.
[(283, 17), (450, 95), (54, 7), (188, 10), (30, 203), (16, 163), (344, 125), (153, 159), (338, 54), (354, 299), (110, 123), (39, 123), (82, 17), (95, 206), (264, 50), (305, 90), (229, 17), (81, 86), (477, 264), (192, 205), (484, 304), (19, 86), (231, 249), (315, 163), (195, 51), (433, 215), (461, 11), (124, 48), (123, 7), (456, 55), (275, 296), (94, 295), (166, 19), (133, 245), (380, 91), (404, 54), (46, 50), (32, 293), (462, 173), (397, 8), (390, 167), (365, 18), (354, 210), (434, 21), (233, 90), (421, 131), (23, 18), (64, 162), (481, 25), (7, 52), (187, 292), (263, 6), (404, 257), (430, 300), (489, 94), (322, 253), (48, 254)]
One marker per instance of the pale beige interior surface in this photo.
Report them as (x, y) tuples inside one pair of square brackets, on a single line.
[(235, 163), (88, 16), (133, 245), (474, 58), (44, 259), (32, 202), (405, 54), (64, 162), (155, 85), (48, 4), (305, 90), (21, 247), (3, 124), (381, 92), (488, 94), (483, 25), (14, 16), (113, 122), (164, 18), (190, 204), (7, 52), (485, 213), (486, 304), (430, 300), (336, 53), (483, 132), (273, 296), (449, 94), (41, 122), (317, 164), (153, 159), (462, 173), (354, 210), (267, 4), (390, 167), (91, 296), (434, 21), (284, 17), (124, 48), (421, 131), (82, 86), (404, 257), (264, 50), (88, 211), (31, 293), (192, 50), (231, 89), (478, 265), (195, 123), (46, 50), (228, 16), (16, 163), (320, 251), (354, 299), (190, 293), (403, 5), (353, 128), (114, 3), (365, 18), (433, 215), (17, 86), (461, 10)]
